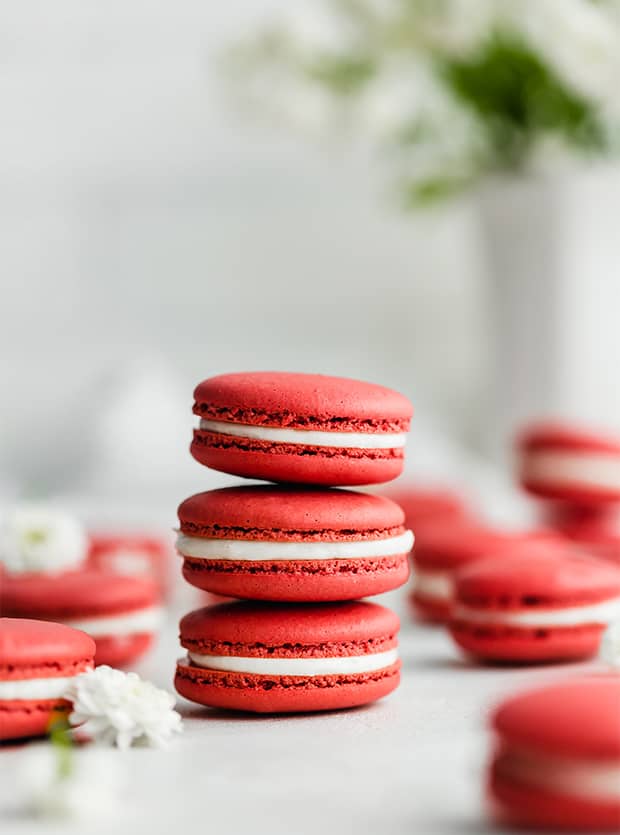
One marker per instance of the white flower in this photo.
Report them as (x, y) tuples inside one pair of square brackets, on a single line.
[(90, 788), (122, 709), (610, 645), (41, 538)]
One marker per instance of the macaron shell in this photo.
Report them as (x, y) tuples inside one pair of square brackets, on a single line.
[(310, 581), (283, 694), (560, 436), (26, 718), (74, 594), (294, 463), (577, 718), (248, 624), (282, 512), (36, 645), (534, 808), (271, 398), (526, 646), (429, 610), (543, 577)]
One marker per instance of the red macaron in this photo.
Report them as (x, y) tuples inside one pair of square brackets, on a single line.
[(288, 658), (557, 763), (273, 542), (571, 464), (37, 663), (122, 614), (133, 554), (549, 604), (300, 428), (445, 549)]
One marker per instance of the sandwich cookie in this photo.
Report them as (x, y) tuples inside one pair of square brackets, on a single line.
[(288, 658), (122, 614), (546, 605), (38, 662), (271, 542), (444, 549), (301, 428), (557, 763), (569, 464)]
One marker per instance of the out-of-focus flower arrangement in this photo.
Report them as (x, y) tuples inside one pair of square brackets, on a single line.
[(455, 90)]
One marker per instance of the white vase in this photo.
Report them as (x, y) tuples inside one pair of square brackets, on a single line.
[(553, 251)]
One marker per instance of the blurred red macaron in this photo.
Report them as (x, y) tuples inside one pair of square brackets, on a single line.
[(557, 758), (300, 428), (568, 463), (38, 661), (549, 604), (445, 549), (122, 614)]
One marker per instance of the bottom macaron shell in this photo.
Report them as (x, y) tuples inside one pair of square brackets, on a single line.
[(430, 611), (587, 496), (296, 464), (527, 645), (20, 719), (311, 581), (536, 808), (283, 694), (122, 650)]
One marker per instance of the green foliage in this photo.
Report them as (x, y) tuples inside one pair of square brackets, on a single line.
[(342, 74), (516, 98)]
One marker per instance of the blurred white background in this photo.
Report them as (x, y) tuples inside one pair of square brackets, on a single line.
[(151, 237)]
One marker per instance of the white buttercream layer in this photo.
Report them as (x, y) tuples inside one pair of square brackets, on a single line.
[(246, 549), (35, 688), (436, 585), (569, 469), (325, 666), (308, 437), (589, 779), (129, 623), (593, 614)]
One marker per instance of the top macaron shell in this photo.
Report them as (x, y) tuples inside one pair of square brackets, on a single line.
[(286, 543), (579, 718), (568, 463), (28, 644), (323, 418)]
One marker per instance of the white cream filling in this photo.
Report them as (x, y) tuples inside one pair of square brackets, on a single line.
[(130, 623), (436, 585), (325, 666), (245, 549), (36, 688), (350, 440), (595, 613), (578, 778), (565, 468)]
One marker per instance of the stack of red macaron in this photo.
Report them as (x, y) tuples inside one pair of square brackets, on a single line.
[(300, 553)]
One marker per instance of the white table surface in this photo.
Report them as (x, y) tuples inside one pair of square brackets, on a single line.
[(411, 763)]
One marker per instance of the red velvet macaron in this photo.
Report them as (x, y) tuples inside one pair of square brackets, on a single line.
[(272, 658), (549, 604), (557, 763), (133, 554), (445, 549), (300, 428), (121, 613), (37, 662), (274, 542), (567, 463)]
